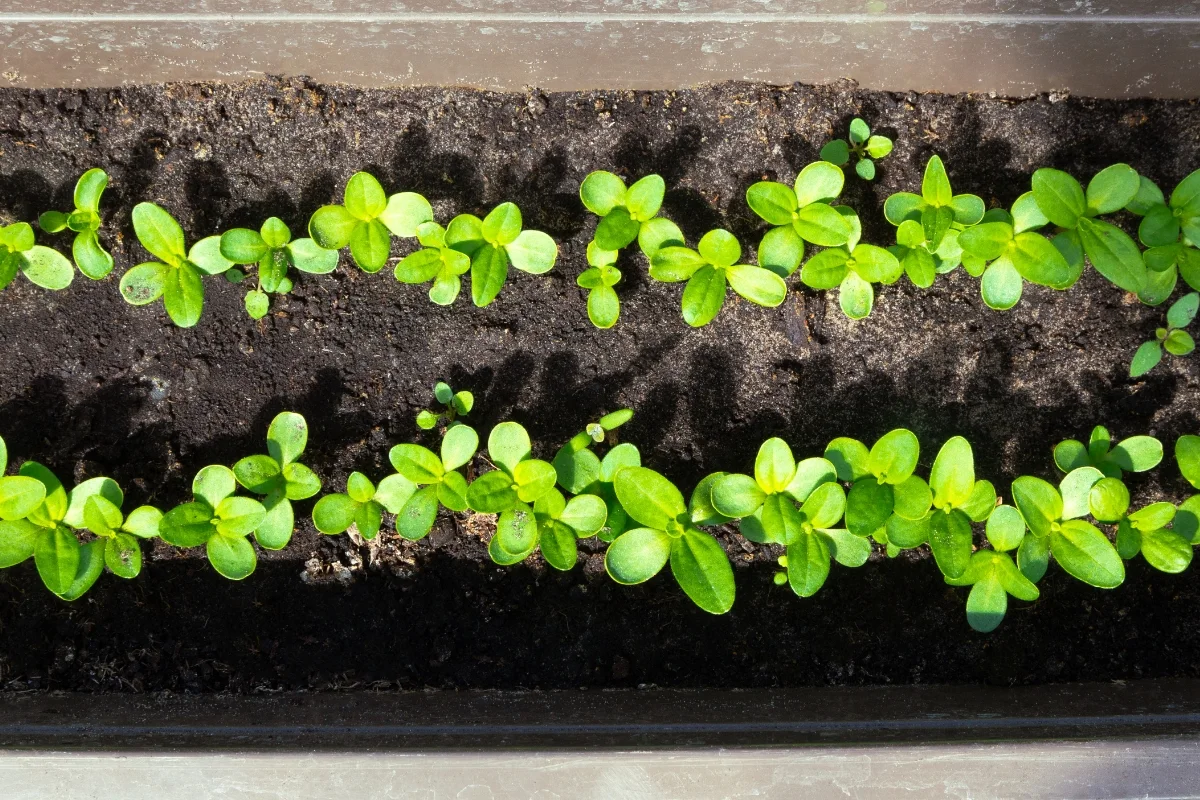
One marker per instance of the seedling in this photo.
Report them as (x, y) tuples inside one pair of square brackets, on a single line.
[(865, 148), (554, 525), (455, 405), (1173, 338), (272, 248), (219, 520), (801, 213), (101, 514), (624, 212), (883, 482), (92, 259), (362, 505), (279, 478), (992, 575), (1135, 454), (580, 470), (708, 270), (603, 305), (436, 261), (1171, 231), (43, 266), (1110, 250), (697, 560), (493, 243), (438, 478), (177, 275), (367, 220), (852, 268), (1144, 531)]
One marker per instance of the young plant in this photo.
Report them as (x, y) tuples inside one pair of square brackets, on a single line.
[(1135, 454), (494, 242), (554, 524), (624, 212), (218, 520), (436, 261), (43, 266), (454, 405), (1109, 249), (851, 269), (862, 145), (367, 220), (1144, 531), (362, 505), (92, 259), (603, 305), (800, 213), (992, 574), (437, 477), (698, 562), (708, 270), (272, 249), (1171, 231), (1173, 338), (882, 482), (795, 505), (279, 478), (177, 275), (581, 471)]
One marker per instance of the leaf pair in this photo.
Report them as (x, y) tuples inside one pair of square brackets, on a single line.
[(272, 249), (862, 145), (581, 471), (992, 574), (436, 261), (624, 212), (801, 213), (219, 520), (455, 404), (1145, 531), (1171, 232), (852, 269), (177, 275), (362, 505), (366, 221), (495, 242), (1135, 454), (437, 477), (43, 266), (84, 221), (279, 478), (1173, 338), (603, 304)]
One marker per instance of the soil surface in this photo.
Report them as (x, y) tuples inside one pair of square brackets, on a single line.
[(90, 385)]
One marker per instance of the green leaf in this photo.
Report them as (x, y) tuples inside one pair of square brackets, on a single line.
[(1039, 503), (91, 565), (645, 197), (231, 556), (257, 304), (1148, 195), (616, 230), (332, 227), (981, 503), (405, 213), (123, 555), (586, 514), (648, 497), (17, 541), (760, 286), (952, 477), (1086, 554), (1183, 310), (308, 256), (950, 541), (912, 498), (1159, 227), (534, 478), (1108, 500), (637, 555), (876, 265), (144, 284), (856, 297), (906, 533), (274, 232), (243, 246), (558, 544), (868, 506), (1187, 194), (489, 271), (502, 225), (700, 506), (259, 473), (826, 506), (417, 463), (1005, 528), (781, 251), (92, 260), (849, 457), (988, 240), (1074, 490), (533, 252), (826, 270), (370, 245), (183, 295), (1001, 286), (1137, 453), (364, 197), (459, 446), (811, 473), (772, 201), (865, 169), (703, 296), (159, 233), (601, 192), (1166, 551), (935, 185), (300, 482), (53, 221), (508, 445), (187, 525), (702, 570), (604, 307), (56, 554), (54, 507), (820, 181), (1059, 196), (1145, 359), (846, 548), (393, 492), (1033, 557), (95, 487), (836, 152), (736, 496), (416, 518), (20, 495), (88, 189), (334, 513), (359, 487), (1187, 520), (420, 266), (879, 147), (894, 456), (774, 466), (1112, 189), (986, 604), (822, 225), (492, 493), (1037, 260), (902, 206), (1187, 455), (47, 268), (1179, 343), (807, 564), (275, 530), (672, 264), (1113, 254), (658, 233), (239, 516), (720, 248)]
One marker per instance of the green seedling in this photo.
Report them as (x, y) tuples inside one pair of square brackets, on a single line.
[(1173, 338), (1135, 454), (603, 305), (279, 478), (624, 212), (580, 470), (436, 261), (698, 562), (92, 259), (219, 520), (493, 243), (177, 275), (1144, 531), (881, 483), (800, 213), (437, 477), (851, 269), (798, 505), (1171, 232), (941, 215), (1110, 250), (367, 220), (121, 534), (865, 148), (708, 270), (362, 505), (553, 523), (1004, 250), (992, 574), (43, 266), (1056, 527), (272, 249), (1187, 456), (454, 405)]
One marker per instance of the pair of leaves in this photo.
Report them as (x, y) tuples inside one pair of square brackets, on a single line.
[(852, 271), (362, 505), (219, 520), (938, 210), (553, 523), (279, 478), (800, 213), (273, 250), (1172, 338), (437, 477), (456, 404), (495, 242), (623, 211), (1170, 231), (43, 266), (863, 145), (1135, 454), (436, 261), (84, 221), (366, 221), (603, 304), (992, 577)]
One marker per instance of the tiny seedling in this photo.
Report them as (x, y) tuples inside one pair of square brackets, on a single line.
[(992, 574), (279, 478), (362, 505), (698, 561), (851, 269), (581, 471), (1135, 454), (454, 405), (92, 259), (708, 270), (219, 520), (271, 247), (436, 261), (554, 525), (367, 220), (1144, 531), (603, 305), (1110, 250), (496, 241), (866, 149), (624, 212), (43, 266), (1171, 231), (177, 275), (1173, 338), (437, 476), (121, 534), (800, 213)]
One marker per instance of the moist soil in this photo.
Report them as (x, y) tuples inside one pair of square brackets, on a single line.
[(90, 386)]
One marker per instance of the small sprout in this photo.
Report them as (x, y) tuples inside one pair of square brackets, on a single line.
[(279, 478), (800, 213), (625, 213), (177, 275), (92, 259), (494, 242), (1135, 454), (437, 262), (219, 520), (1173, 338), (272, 248), (851, 269), (862, 145), (579, 470), (367, 220), (362, 505), (43, 266), (603, 305), (433, 479), (708, 270), (455, 405), (1171, 231)]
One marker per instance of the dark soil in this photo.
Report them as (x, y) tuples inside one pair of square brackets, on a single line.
[(90, 385)]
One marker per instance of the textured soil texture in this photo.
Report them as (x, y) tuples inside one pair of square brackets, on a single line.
[(90, 385)]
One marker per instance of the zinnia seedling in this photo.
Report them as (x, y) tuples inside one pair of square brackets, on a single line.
[(362, 505), (496, 241), (84, 221), (624, 212), (800, 213), (1144, 531), (437, 476), (1173, 338), (436, 261), (579, 470), (218, 520), (367, 220), (851, 269), (992, 575), (43, 266), (454, 405), (603, 305), (177, 275), (279, 478), (865, 148), (272, 249), (1171, 231), (1135, 454)]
